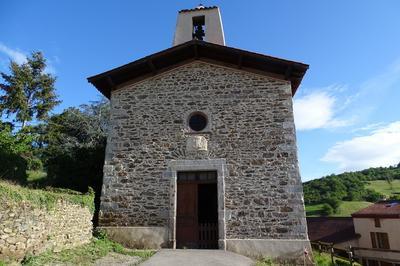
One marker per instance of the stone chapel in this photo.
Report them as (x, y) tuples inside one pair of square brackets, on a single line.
[(201, 151)]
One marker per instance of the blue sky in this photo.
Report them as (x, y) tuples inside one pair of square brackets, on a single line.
[(347, 108)]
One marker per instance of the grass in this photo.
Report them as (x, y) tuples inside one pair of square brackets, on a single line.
[(35, 176), (346, 208), (44, 198), (324, 259), (382, 186), (86, 254), (313, 210), (320, 259), (265, 262)]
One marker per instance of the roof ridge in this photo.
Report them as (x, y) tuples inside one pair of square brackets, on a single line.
[(199, 7)]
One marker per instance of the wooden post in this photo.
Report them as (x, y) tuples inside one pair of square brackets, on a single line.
[(350, 255), (332, 251)]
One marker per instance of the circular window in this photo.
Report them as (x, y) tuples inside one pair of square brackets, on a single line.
[(197, 121)]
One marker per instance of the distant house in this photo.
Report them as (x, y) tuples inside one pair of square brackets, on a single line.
[(373, 233), (338, 231), (379, 228)]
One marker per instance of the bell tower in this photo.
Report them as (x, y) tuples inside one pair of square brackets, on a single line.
[(200, 23)]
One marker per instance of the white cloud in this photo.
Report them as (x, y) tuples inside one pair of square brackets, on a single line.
[(379, 148), (16, 55), (317, 110), (368, 127), (20, 58), (331, 107)]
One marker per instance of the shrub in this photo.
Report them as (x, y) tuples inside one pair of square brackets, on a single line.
[(373, 196), (34, 164), (334, 203), (13, 151), (327, 210)]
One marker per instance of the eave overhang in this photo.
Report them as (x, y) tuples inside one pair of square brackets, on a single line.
[(199, 50)]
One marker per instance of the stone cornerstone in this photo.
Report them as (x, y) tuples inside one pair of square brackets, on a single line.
[(250, 135)]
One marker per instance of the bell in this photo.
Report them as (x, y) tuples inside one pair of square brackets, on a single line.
[(198, 32)]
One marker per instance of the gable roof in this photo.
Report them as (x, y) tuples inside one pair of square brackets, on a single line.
[(381, 209), (199, 50), (331, 229)]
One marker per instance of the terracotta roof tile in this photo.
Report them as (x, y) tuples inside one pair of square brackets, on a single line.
[(384, 209), (200, 7), (330, 229)]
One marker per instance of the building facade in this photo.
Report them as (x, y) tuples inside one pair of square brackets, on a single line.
[(337, 231), (202, 147), (379, 228)]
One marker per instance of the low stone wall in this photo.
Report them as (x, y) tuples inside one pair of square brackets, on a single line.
[(280, 249), (25, 229), (140, 237)]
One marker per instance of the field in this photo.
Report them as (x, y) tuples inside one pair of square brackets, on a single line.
[(346, 208), (382, 186)]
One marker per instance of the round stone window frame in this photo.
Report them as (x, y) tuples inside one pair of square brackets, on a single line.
[(203, 114)]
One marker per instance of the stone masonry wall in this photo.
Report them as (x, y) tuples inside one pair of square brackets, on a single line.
[(250, 125), (25, 229)]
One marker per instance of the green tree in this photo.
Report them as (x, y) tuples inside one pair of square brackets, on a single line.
[(327, 210), (28, 92), (334, 203), (74, 148), (14, 151), (389, 180), (373, 196), (348, 186), (83, 127)]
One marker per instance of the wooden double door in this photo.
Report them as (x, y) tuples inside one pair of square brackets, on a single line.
[(197, 210)]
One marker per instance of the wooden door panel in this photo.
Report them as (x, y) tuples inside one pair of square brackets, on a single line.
[(186, 218)]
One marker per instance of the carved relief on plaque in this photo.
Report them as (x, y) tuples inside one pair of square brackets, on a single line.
[(196, 143)]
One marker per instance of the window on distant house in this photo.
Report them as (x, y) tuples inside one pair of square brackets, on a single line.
[(377, 222), (380, 240)]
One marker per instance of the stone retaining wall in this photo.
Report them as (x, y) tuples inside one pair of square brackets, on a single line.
[(25, 229)]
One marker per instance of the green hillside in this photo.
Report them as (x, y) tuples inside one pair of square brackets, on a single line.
[(352, 186), (388, 189), (346, 208), (343, 194)]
